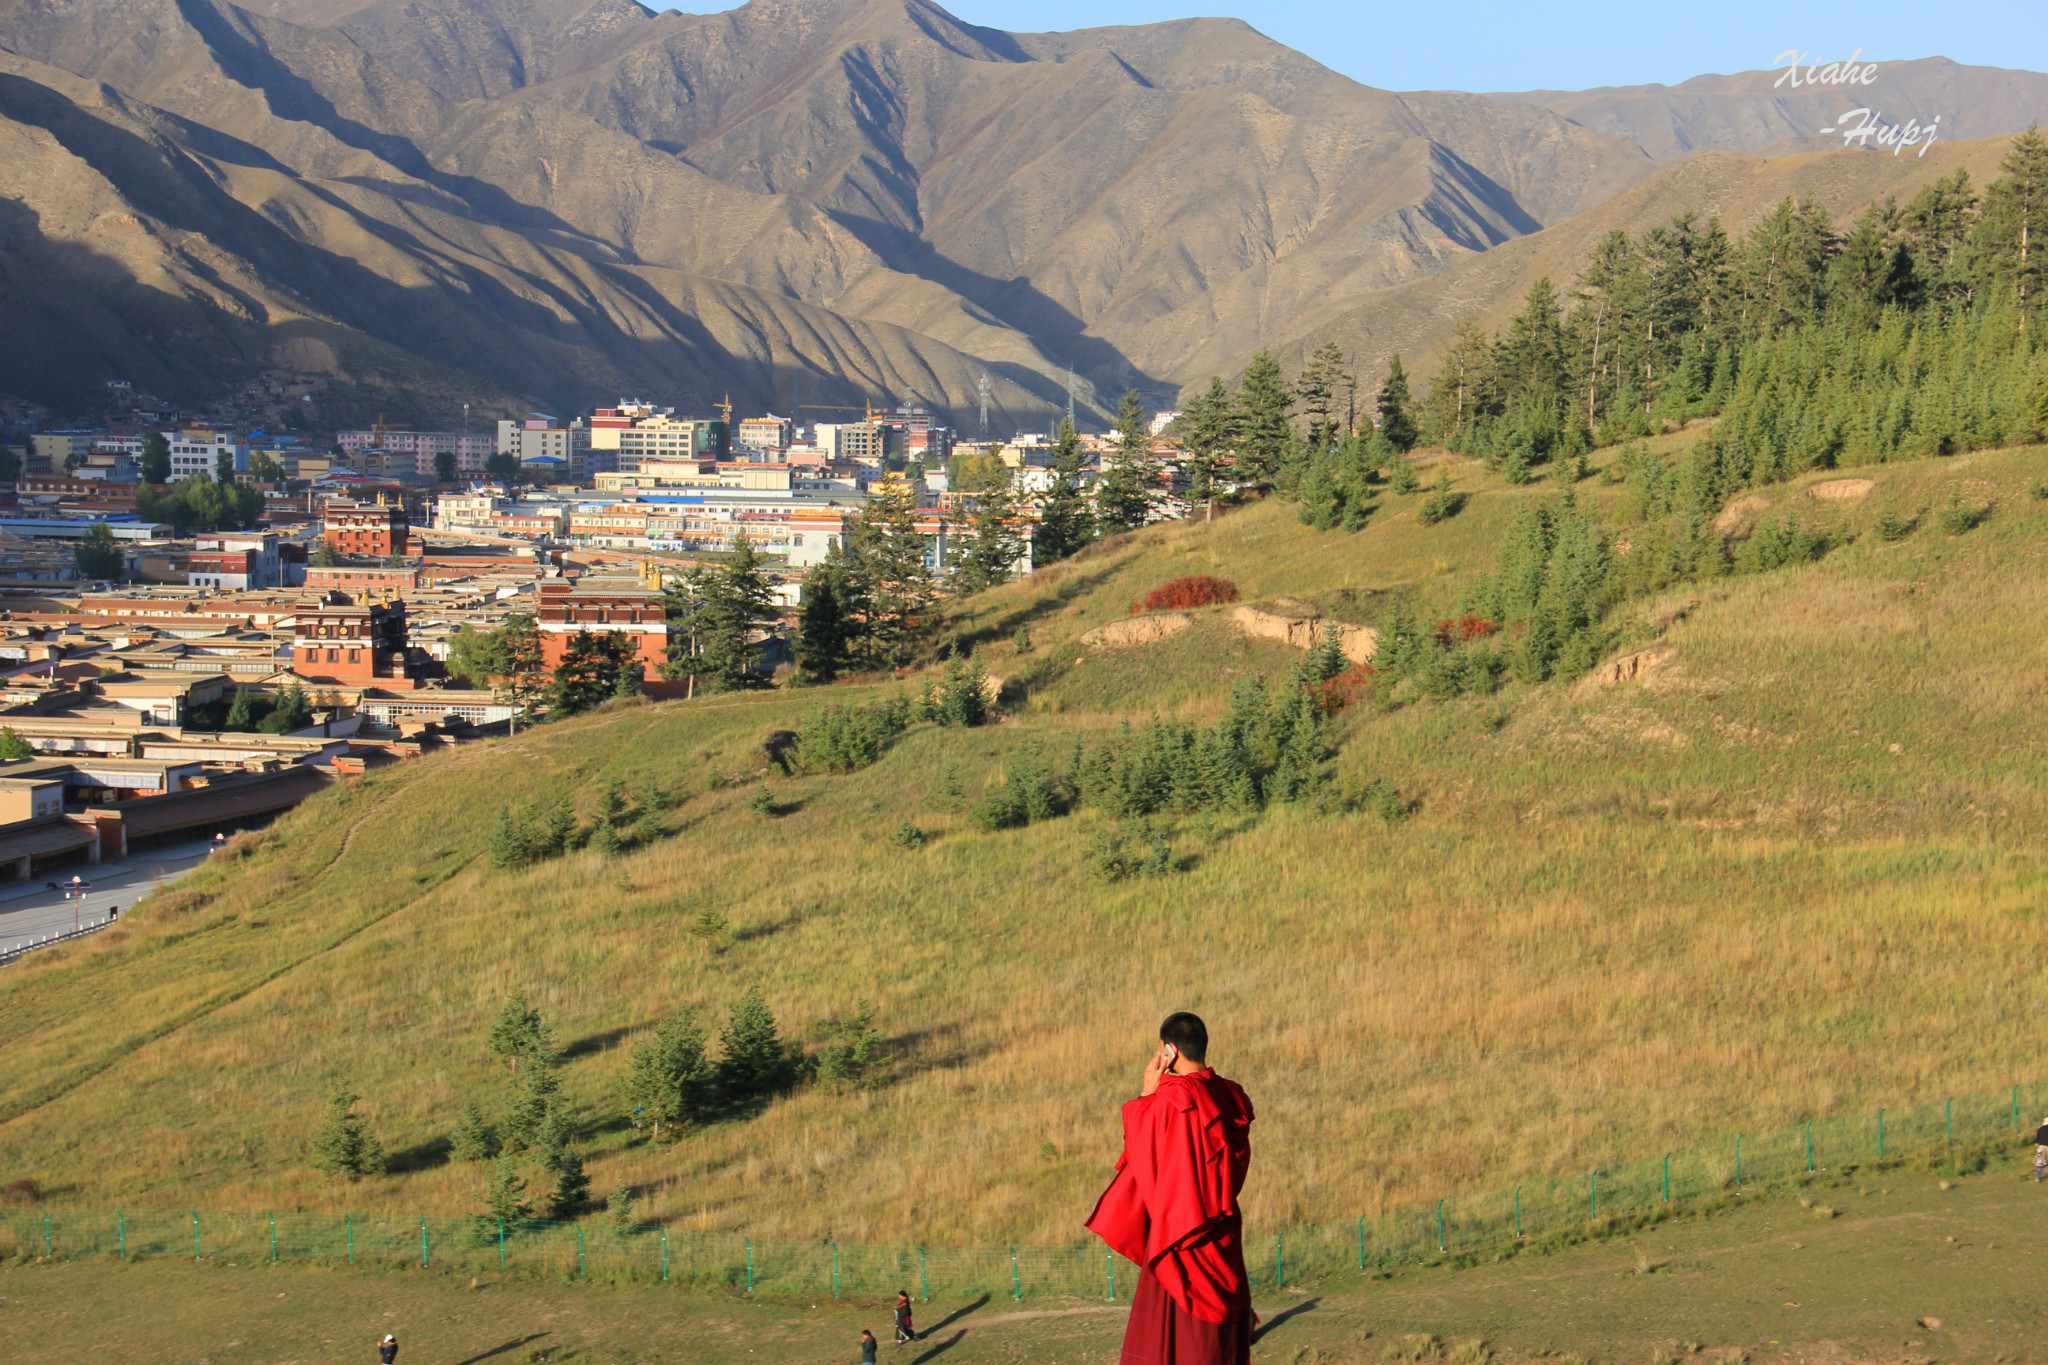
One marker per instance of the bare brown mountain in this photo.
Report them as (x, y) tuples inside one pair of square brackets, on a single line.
[(561, 200), (568, 198), (1763, 111)]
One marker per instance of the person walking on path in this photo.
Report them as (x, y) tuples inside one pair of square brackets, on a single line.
[(867, 1347), (387, 1350), (904, 1330), (2041, 1151)]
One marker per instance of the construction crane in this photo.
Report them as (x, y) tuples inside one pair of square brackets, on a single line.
[(867, 408), (726, 408)]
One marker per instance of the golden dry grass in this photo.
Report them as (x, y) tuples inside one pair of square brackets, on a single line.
[(1794, 869)]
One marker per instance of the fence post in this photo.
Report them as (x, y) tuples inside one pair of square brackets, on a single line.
[(1016, 1281), (924, 1279), (1518, 1213), (1809, 1146), (2015, 1109), (1951, 1120), (835, 1269), (1880, 1135), (1738, 1158), (273, 1234), (1593, 1196), (195, 1236), (423, 1244), (1279, 1261), (349, 1221), (501, 1244), (664, 1252), (121, 1233), (1109, 1271), (1361, 1241), (579, 1245), (750, 1263), (1667, 1177), (1440, 1225), (47, 1244)]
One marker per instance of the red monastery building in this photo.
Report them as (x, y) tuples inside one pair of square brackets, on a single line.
[(367, 528), (620, 606), (337, 642)]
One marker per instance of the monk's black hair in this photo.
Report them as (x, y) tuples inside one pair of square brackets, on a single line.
[(1188, 1033)]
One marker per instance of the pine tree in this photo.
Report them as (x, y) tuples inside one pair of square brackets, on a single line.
[(572, 1189), (891, 574), (824, 626), (97, 555), (156, 457), (589, 672), (13, 748), (474, 1139), (242, 714), (1206, 427), (519, 1033), (505, 1193), (1065, 523), (619, 1209), (1397, 428), (444, 466), (753, 1062), (668, 1080), (1264, 436), (536, 1096), (344, 1146), (512, 842), (557, 832), (990, 554), (1127, 489), (2009, 249), (733, 604), (1316, 390)]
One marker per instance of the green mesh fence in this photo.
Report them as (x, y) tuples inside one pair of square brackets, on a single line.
[(1462, 1224)]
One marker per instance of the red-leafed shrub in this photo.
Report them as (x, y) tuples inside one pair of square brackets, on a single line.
[(1463, 631), (1347, 687), (1195, 590)]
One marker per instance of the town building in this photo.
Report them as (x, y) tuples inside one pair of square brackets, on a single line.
[(539, 439), (337, 641), (235, 563), (766, 436), (470, 448), (62, 448), (619, 606), (366, 528), (198, 450)]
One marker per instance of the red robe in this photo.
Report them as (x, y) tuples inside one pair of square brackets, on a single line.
[(1172, 1209)]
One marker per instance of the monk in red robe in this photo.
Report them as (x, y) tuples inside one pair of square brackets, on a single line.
[(1172, 1208)]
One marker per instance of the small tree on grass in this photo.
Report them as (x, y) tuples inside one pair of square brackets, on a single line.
[(513, 842), (572, 1188), (474, 1138), (668, 1080), (852, 1054), (619, 1208), (344, 1146), (505, 1195), (535, 1098), (519, 1034), (754, 1062)]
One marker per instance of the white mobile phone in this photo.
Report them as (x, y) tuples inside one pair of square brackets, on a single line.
[(1172, 1054)]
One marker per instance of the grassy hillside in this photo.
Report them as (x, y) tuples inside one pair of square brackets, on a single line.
[(1792, 869)]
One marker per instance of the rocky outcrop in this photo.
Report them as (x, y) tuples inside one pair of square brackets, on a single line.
[(1138, 630), (1629, 667), (1291, 624)]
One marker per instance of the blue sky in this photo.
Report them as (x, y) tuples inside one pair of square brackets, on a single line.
[(1524, 46)]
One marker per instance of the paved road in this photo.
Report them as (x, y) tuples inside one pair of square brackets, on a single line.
[(29, 912)]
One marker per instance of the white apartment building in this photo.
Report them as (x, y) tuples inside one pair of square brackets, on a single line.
[(197, 450)]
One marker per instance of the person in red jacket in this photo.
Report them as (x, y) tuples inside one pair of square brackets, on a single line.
[(1172, 1207)]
